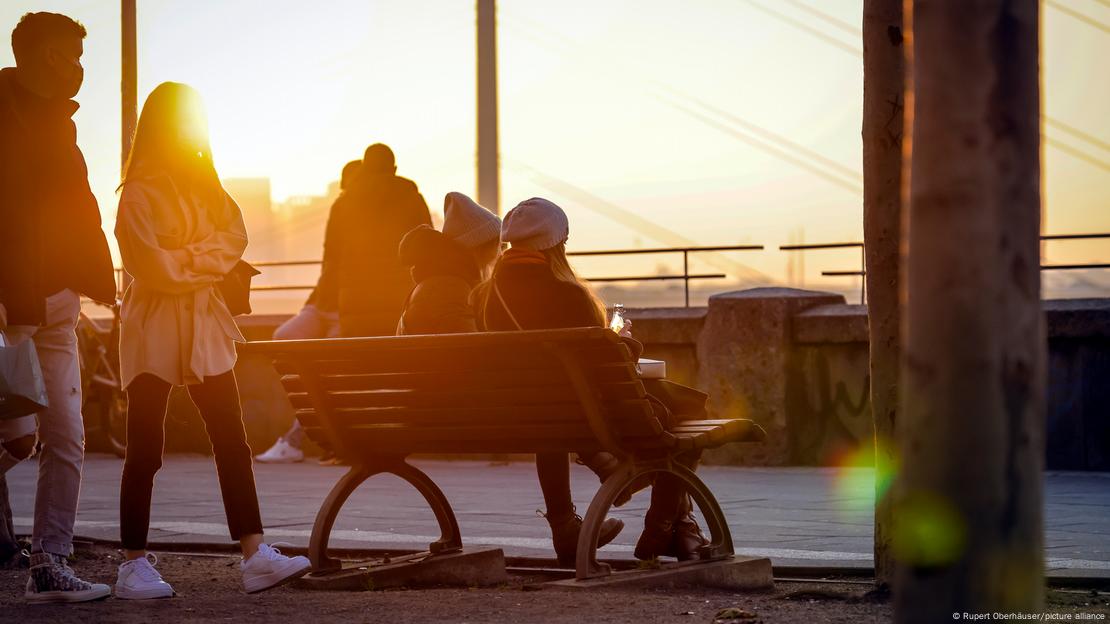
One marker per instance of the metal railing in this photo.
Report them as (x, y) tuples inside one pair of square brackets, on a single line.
[(862, 272), (686, 276)]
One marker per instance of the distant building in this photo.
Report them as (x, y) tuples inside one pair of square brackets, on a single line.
[(263, 229)]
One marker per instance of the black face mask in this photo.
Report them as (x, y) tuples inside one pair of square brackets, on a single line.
[(68, 74)]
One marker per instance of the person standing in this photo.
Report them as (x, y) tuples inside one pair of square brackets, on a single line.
[(319, 318), (179, 234), (372, 283), (52, 250)]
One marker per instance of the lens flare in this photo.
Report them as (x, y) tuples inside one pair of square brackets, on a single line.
[(928, 531)]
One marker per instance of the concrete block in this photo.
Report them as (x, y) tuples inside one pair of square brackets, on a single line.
[(471, 567), (735, 574), (743, 359)]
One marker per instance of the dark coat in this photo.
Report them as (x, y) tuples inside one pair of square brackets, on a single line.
[(50, 238), (372, 284), (444, 273), (538, 300)]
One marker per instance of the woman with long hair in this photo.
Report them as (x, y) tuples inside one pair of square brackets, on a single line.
[(534, 287), (179, 234)]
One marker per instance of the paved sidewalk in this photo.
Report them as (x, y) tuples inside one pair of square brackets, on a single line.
[(795, 516)]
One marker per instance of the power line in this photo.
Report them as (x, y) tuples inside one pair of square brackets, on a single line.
[(781, 140), (1079, 15), (636, 222), (1084, 156), (835, 21), (806, 28), (1076, 132), (776, 151)]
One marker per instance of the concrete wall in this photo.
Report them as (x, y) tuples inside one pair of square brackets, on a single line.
[(795, 361)]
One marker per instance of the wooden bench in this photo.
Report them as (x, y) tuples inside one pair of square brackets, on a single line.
[(378, 400)]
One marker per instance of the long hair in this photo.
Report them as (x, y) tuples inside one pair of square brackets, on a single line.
[(171, 139), (556, 259)]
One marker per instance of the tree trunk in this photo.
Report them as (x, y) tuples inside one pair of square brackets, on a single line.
[(968, 507), (883, 113)]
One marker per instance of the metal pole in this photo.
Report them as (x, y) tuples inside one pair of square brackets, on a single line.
[(129, 92), (489, 183), (686, 274), (863, 275)]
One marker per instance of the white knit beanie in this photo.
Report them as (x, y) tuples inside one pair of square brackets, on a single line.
[(467, 222), (535, 224)]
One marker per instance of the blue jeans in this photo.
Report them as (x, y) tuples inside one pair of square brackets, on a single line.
[(60, 428)]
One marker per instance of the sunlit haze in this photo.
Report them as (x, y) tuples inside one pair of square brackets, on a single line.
[(677, 113)]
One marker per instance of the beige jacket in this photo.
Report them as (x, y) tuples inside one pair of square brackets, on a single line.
[(174, 321)]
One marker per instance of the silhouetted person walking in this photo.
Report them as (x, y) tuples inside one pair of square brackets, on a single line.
[(373, 284), (319, 318), (51, 250)]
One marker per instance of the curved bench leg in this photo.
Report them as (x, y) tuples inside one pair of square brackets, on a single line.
[(586, 564), (325, 518), (450, 539)]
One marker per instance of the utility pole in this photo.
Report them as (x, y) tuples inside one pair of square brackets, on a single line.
[(489, 176), (129, 92), (969, 529), (129, 69), (884, 84)]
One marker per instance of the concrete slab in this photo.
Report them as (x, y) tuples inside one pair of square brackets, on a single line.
[(471, 567), (734, 574)]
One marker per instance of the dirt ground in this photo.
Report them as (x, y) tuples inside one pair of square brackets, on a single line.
[(208, 590)]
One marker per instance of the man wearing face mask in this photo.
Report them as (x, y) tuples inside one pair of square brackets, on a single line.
[(52, 250)]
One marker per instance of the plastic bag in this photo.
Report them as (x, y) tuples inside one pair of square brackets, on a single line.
[(22, 389)]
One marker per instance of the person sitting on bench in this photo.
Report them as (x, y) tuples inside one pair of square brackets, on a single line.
[(534, 287)]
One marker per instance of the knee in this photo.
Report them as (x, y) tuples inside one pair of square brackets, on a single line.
[(139, 463), (21, 448)]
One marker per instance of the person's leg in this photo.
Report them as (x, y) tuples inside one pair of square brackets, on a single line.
[(553, 470), (61, 428), (62, 432), (147, 398), (295, 436), (217, 399), (17, 441)]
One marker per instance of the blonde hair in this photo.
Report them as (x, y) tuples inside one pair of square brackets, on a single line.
[(557, 261)]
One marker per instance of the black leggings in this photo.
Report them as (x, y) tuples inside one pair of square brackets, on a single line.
[(217, 398)]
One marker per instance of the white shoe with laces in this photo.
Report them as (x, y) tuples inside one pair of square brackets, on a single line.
[(281, 452), (138, 580), (268, 568)]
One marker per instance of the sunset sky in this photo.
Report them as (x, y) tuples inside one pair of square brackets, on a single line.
[(651, 108)]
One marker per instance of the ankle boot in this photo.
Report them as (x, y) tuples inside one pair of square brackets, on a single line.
[(687, 537), (659, 522), (565, 531)]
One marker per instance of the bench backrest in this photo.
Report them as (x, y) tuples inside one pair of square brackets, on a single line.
[(528, 391)]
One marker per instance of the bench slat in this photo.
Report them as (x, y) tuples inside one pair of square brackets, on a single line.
[(520, 378), (448, 360), (468, 398)]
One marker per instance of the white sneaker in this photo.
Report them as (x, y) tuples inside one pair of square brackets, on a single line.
[(268, 568), (138, 580), (281, 452)]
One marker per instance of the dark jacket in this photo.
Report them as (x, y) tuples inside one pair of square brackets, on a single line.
[(50, 237), (326, 294), (372, 284), (444, 273), (539, 300)]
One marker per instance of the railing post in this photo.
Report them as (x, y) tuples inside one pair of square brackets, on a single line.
[(863, 275), (686, 274)]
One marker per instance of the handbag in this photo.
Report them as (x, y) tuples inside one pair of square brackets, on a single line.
[(235, 288), (22, 389)]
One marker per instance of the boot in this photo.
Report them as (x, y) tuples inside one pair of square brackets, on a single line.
[(603, 465), (659, 523), (565, 531), (687, 538)]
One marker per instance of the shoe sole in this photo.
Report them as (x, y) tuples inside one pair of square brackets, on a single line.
[(139, 594), (56, 597), (275, 579)]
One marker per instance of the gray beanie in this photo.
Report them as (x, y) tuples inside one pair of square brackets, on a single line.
[(535, 224), (468, 223)]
